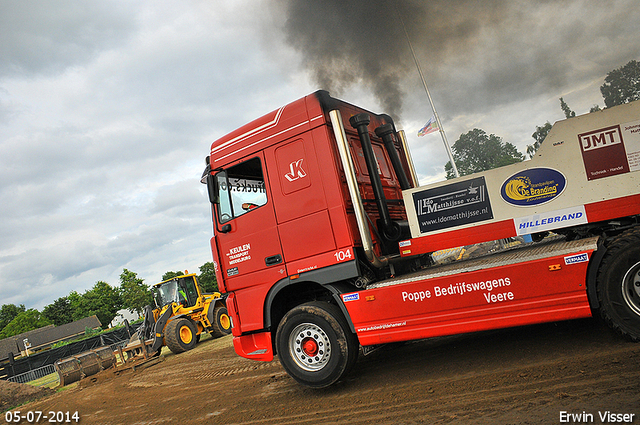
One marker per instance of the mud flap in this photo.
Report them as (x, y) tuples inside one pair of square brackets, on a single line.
[(158, 330)]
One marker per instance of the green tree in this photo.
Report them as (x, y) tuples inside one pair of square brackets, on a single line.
[(565, 108), (101, 300), (207, 278), (539, 135), (80, 308), (135, 295), (59, 312), (25, 321), (170, 275), (106, 301), (476, 151), (8, 312), (622, 85)]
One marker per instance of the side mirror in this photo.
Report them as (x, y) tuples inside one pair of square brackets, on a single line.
[(212, 189), (210, 181)]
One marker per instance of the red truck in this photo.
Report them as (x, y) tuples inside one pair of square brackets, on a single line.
[(323, 237)]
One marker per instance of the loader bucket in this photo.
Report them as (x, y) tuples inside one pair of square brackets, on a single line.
[(106, 357), (88, 363), (68, 371)]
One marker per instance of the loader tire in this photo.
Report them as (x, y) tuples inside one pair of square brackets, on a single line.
[(180, 335), (221, 323), (618, 284)]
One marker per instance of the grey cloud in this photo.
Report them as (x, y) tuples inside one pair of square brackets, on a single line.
[(41, 37), (181, 199), (64, 260)]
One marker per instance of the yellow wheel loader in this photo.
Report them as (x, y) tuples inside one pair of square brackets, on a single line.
[(182, 312)]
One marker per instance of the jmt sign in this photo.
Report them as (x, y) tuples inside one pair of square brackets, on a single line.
[(600, 138), (603, 152)]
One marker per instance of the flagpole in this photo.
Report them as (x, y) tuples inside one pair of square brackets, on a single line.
[(433, 107)]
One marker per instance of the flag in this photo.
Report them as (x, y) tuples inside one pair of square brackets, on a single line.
[(429, 127)]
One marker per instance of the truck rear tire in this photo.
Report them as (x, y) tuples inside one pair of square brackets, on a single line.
[(618, 284), (220, 322), (180, 335), (315, 345)]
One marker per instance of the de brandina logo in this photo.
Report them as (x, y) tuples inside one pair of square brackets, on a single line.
[(295, 171)]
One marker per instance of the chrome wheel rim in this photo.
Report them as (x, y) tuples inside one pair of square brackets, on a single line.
[(631, 288), (309, 347)]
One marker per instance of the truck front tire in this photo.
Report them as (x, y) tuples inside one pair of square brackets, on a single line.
[(618, 284), (315, 345)]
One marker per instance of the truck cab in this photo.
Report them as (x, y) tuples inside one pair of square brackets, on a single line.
[(322, 236)]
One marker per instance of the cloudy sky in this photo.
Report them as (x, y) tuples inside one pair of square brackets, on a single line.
[(108, 108)]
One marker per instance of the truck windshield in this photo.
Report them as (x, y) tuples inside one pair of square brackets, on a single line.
[(240, 189)]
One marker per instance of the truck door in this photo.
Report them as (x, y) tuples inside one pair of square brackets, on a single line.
[(303, 217), (247, 240)]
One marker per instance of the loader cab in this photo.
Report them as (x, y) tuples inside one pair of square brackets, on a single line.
[(181, 290)]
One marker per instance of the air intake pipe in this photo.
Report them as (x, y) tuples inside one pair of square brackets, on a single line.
[(390, 229), (385, 132)]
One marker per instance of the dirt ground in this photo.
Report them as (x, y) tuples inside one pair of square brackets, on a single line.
[(14, 394), (526, 375)]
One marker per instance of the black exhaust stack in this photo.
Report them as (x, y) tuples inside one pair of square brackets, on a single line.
[(391, 230), (386, 132)]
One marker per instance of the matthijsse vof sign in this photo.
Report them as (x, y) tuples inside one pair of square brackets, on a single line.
[(452, 205)]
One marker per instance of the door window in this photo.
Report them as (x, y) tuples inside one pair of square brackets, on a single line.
[(240, 189)]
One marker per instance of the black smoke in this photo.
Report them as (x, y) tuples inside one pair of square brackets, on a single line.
[(347, 42)]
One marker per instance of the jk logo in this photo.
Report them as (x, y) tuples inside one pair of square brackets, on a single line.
[(295, 171)]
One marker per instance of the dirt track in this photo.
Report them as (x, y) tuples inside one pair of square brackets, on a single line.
[(518, 376)]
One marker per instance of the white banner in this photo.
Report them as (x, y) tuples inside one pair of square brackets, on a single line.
[(551, 220)]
